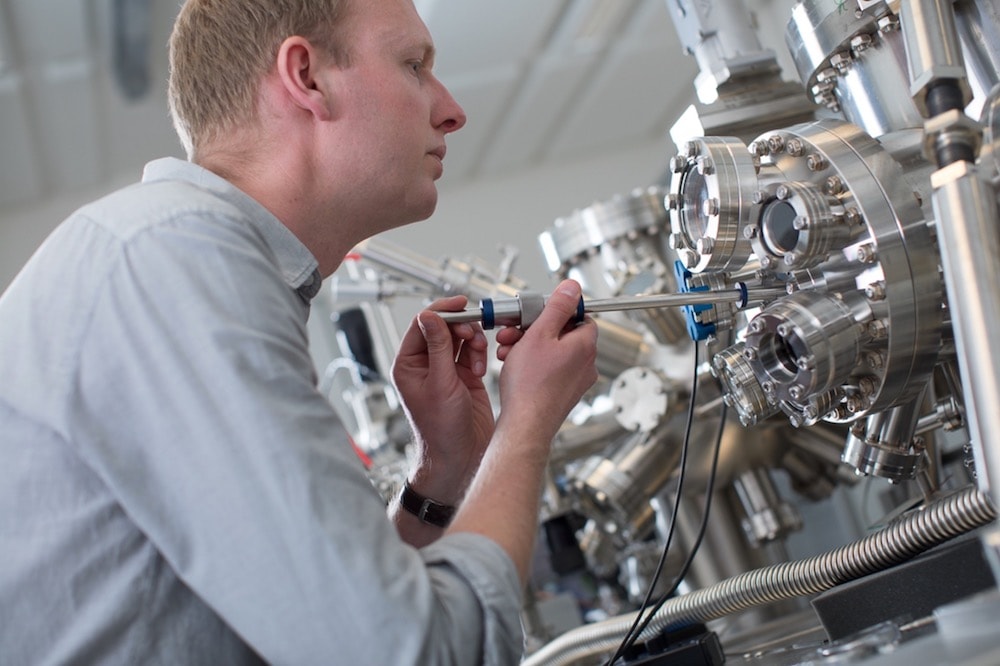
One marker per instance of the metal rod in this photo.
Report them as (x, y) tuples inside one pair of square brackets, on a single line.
[(751, 294)]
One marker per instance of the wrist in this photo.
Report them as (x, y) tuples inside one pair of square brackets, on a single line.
[(444, 476), (444, 489), (426, 509), (530, 442)]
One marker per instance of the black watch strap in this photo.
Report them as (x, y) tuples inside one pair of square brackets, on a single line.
[(424, 508)]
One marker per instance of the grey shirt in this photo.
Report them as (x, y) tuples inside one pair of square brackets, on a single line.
[(173, 487)]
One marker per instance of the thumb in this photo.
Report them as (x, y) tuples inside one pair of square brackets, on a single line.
[(437, 336), (562, 306)]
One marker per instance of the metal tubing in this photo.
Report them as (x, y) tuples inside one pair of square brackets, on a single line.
[(933, 50), (969, 236), (510, 318), (902, 540), (723, 43), (447, 278)]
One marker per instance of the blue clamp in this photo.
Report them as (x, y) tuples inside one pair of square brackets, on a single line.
[(489, 318), (696, 329)]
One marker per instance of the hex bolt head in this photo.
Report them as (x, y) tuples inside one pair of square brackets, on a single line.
[(672, 201), (876, 291), (853, 216), (867, 254), (691, 149), (791, 259), (687, 257), (833, 185), (756, 326), (705, 245), (796, 392), (758, 196), (759, 148), (841, 61), (887, 24), (674, 241), (800, 222), (766, 261), (706, 166), (776, 143), (794, 147), (861, 43), (678, 163), (815, 162), (874, 360), (749, 233), (877, 329), (826, 74), (710, 207), (783, 192)]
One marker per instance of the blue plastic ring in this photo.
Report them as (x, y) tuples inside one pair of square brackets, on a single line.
[(489, 318)]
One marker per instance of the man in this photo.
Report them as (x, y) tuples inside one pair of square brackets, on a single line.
[(174, 489)]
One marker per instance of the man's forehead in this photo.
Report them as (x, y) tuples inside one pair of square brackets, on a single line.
[(391, 20)]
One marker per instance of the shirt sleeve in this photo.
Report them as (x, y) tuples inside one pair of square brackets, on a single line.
[(195, 402)]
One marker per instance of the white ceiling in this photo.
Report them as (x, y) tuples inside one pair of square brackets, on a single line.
[(542, 81)]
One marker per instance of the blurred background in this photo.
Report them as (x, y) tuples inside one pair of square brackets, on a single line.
[(569, 102)]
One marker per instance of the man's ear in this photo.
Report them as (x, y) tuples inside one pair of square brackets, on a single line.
[(298, 65)]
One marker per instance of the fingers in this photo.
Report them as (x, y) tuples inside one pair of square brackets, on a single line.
[(561, 308), (414, 341), (448, 304), (472, 354), (444, 347)]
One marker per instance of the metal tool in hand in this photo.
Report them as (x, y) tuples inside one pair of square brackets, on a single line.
[(524, 308)]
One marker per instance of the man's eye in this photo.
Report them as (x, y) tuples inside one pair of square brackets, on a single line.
[(416, 66)]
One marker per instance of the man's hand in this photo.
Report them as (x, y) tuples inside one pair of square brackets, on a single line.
[(548, 367), (438, 373)]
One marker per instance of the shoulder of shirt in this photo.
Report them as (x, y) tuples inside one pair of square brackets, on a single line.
[(143, 207)]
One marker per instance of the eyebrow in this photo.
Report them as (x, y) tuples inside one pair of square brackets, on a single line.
[(429, 51)]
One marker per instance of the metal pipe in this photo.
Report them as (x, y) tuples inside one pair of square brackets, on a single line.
[(907, 537), (968, 227), (446, 277), (969, 236), (511, 312), (933, 51)]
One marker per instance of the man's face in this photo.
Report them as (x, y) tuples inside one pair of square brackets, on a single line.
[(397, 112)]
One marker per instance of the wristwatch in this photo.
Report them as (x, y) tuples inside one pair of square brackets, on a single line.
[(424, 508)]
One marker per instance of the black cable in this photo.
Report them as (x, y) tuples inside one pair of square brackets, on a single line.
[(709, 491), (631, 635)]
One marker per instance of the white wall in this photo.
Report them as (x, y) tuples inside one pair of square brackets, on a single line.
[(471, 220)]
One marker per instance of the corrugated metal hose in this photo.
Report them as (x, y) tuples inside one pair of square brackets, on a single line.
[(906, 537)]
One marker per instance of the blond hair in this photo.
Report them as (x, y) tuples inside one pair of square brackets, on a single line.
[(220, 50)]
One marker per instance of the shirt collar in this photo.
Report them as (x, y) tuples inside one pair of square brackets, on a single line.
[(297, 264)]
